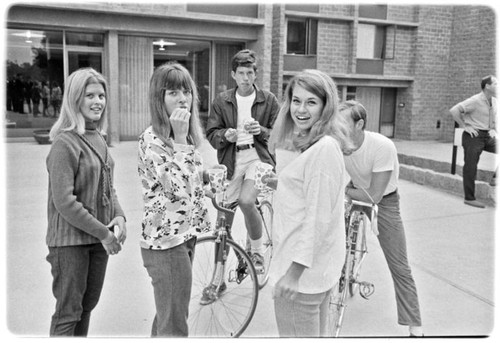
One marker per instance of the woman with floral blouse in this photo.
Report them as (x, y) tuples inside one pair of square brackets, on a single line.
[(170, 167)]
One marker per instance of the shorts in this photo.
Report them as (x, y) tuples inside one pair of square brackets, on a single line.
[(246, 162)]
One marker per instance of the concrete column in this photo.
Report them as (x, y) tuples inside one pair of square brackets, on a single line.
[(112, 75)]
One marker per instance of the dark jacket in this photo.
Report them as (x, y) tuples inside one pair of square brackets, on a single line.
[(224, 115)]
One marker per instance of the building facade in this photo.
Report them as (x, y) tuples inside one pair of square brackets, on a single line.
[(408, 64)]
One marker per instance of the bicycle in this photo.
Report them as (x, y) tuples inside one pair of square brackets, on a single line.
[(357, 215), (225, 283)]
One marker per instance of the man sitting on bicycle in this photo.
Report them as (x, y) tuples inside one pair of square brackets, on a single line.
[(374, 169), (238, 127)]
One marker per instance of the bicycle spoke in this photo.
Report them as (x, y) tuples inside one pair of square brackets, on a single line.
[(266, 212), (225, 312)]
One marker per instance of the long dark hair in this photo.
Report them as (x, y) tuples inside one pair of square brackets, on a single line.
[(172, 76)]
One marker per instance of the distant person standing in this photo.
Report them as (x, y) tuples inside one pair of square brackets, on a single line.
[(28, 86), (56, 97), (477, 116), (45, 98), (36, 95), (18, 94)]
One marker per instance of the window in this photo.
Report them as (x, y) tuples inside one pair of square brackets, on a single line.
[(351, 93), (85, 39), (36, 61), (301, 36), (371, 41)]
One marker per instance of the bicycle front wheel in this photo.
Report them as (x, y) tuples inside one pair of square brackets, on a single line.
[(266, 212), (232, 308), (359, 239), (338, 305)]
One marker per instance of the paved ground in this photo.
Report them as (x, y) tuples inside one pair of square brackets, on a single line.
[(451, 248)]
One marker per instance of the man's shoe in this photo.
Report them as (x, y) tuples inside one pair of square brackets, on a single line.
[(209, 294), (258, 262), (474, 203)]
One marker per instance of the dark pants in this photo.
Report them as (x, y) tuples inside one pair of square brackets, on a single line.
[(392, 240), (473, 147), (78, 276), (171, 276)]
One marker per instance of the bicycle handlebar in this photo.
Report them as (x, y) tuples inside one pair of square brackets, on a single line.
[(217, 206), (369, 209)]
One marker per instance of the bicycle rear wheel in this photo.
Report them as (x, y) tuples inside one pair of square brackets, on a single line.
[(266, 212), (232, 310)]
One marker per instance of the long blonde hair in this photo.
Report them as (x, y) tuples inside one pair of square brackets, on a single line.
[(172, 76), (329, 123), (70, 118)]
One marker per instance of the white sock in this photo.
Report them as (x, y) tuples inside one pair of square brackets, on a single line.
[(256, 246)]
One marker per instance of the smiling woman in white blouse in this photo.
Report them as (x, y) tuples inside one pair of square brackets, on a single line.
[(309, 204)]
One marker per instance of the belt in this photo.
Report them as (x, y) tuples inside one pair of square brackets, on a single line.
[(391, 193), (244, 147)]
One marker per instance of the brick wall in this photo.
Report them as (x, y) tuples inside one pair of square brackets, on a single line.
[(402, 13), (472, 56), (334, 46), (400, 57), (338, 10), (278, 49), (431, 71)]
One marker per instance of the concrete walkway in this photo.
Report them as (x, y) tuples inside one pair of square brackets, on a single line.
[(451, 249)]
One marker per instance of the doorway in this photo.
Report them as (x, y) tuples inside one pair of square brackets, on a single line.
[(380, 104)]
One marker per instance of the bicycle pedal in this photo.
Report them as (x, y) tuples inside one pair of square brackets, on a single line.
[(366, 289), (237, 275)]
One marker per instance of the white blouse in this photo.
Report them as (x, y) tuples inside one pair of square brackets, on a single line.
[(308, 226)]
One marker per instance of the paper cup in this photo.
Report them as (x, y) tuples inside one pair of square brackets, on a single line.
[(246, 125), (216, 178), (262, 171)]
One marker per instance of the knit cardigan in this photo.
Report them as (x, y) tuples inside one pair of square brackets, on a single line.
[(76, 214)]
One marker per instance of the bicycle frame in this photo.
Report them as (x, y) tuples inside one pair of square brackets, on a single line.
[(222, 232), (357, 213)]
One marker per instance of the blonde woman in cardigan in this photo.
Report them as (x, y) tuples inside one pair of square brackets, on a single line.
[(82, 204)]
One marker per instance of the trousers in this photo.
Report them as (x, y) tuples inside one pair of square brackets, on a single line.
[(473, 147), (305, 316), (78, 277), (392, 240), (171, 277)]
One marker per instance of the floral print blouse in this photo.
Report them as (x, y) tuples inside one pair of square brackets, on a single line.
[(172, 189)]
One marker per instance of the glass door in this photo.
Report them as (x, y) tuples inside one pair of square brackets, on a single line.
[(195, 56)]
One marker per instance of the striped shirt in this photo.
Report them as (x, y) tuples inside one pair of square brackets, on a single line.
[(75, 210)]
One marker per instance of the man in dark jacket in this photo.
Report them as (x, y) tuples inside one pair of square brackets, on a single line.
[(239, 125)]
